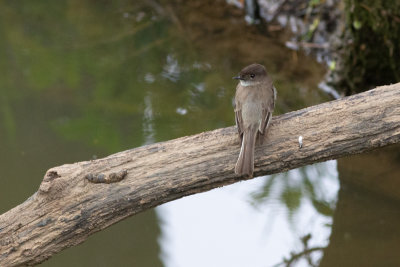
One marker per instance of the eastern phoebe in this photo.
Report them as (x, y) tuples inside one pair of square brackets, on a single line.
[(254, 104)]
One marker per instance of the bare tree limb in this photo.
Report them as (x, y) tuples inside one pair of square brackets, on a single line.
[(69, 206)]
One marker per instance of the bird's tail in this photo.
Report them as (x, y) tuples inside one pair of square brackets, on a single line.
[(245, 162)]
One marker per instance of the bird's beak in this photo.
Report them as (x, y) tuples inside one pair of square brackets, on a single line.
[(237, 78)]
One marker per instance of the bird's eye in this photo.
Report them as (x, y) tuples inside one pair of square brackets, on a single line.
[(252, 76)]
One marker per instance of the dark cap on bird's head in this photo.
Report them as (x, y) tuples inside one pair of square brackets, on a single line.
[(252, 72)]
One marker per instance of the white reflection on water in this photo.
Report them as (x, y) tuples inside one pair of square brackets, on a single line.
[(171, 69), (222, 228), (149, 78), (181, 111), (148, 120)]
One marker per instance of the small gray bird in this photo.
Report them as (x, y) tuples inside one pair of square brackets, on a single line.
[(254, 103)]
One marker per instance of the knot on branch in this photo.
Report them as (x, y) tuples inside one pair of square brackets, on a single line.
[(107, 179), (52, 175), (51, 181)]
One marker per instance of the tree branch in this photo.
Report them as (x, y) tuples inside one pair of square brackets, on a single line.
[(69, 206)]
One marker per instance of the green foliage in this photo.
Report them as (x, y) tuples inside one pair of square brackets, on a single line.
[(308, 35), (314, 2), (373, 55)]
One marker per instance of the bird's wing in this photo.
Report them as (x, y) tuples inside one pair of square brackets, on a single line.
[(266, 119), (238, 113), (239, 122), (267, 110)]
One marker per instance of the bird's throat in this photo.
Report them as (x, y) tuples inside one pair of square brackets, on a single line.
[(248, 83)]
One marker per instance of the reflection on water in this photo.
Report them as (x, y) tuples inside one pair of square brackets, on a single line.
[(171, 70), (315, 183), (234, 226), (365, 230), (148, 123), (84, 79), (366, 221)]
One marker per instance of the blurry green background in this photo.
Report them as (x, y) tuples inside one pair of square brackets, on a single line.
[(84, 79)]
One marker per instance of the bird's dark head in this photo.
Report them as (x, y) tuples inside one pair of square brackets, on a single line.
[(252, 74)]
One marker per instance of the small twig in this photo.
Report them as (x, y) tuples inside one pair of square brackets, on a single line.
[(294, 257), (366, 7), (309, 45), (278, 10)]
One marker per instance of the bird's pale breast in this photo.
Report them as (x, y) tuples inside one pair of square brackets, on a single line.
[(252, 110)]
